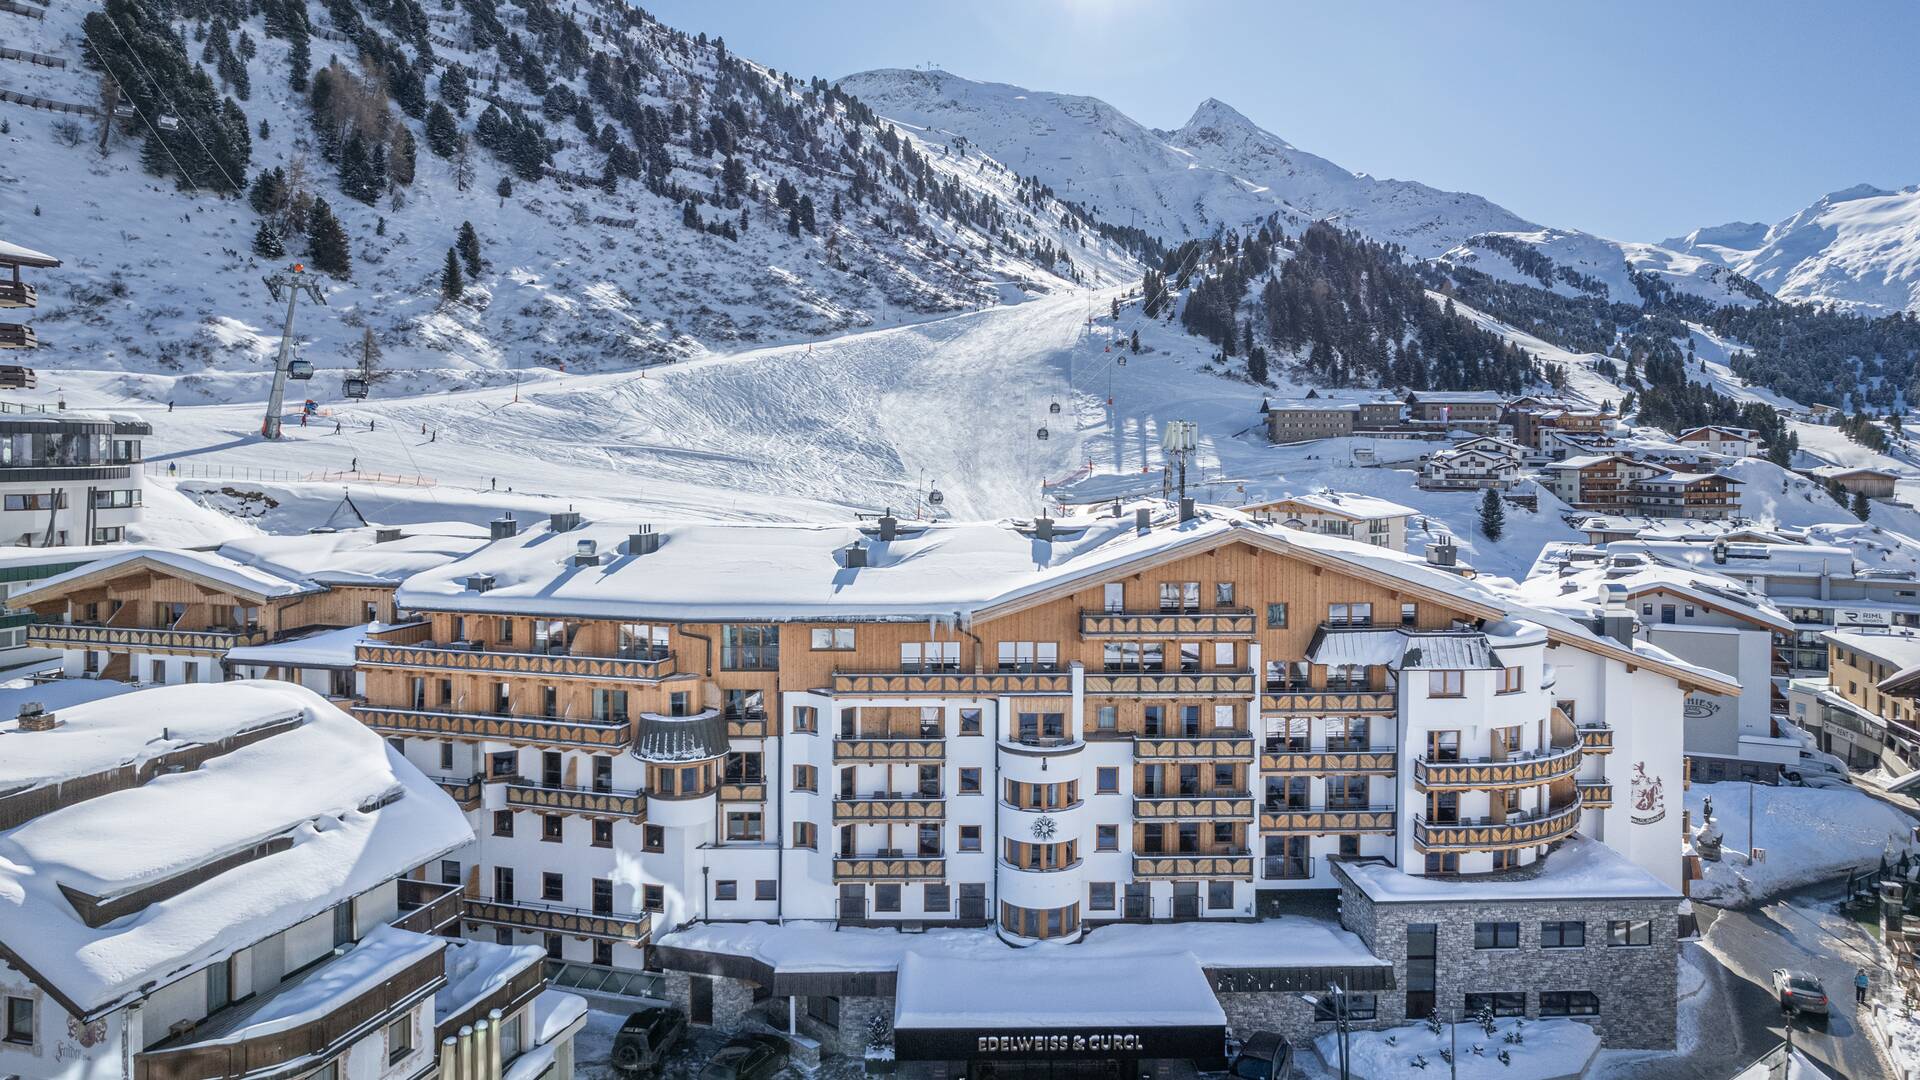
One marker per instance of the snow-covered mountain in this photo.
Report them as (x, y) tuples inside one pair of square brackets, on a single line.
[(1858, 248), (581, 270)]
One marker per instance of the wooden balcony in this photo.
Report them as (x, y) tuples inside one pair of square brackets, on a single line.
[(327, 1029), (527, 730), (1222, 623), (465, 790), (140, 639), (1196, 748), (550, 799), (1329, 702), (1596, 738), (952, 683), (1482, 774), (1169, 684), (1325, 762), (18, 294), (743, 792), (746, 725), (1187, 867), (1595, 794), (1321, 821), (17, 336), (428, 907), (547, 665), (888, 809), (1483, 834), (1219, 807), (888, 867), (861, 749), (630, 929)]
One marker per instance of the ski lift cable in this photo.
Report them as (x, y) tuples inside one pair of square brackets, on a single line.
[(141, 113), (154, 84), (1138, 320)]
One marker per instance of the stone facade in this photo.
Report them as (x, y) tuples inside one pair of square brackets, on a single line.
[(1636, 985), (1289, 1014), (732, 998)]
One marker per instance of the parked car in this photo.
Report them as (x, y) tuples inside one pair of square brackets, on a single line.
[(646, 1038), (1266, 1055), (748, 1056), (1799, 992)]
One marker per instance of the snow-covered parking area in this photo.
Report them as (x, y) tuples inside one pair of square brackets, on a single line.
[(1804, 835), (1533, 1049)]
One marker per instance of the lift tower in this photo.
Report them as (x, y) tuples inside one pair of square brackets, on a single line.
[(293, 281)]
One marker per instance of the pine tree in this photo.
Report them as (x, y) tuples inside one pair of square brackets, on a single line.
[(401, 165), (450, 284), (266, 240), (1493, 516), (1257, 364), (1862, 506), (505, 188), (299, 63), (806, 213), (690, 217), (327, 242), (443, 132), (454, 88), (356, 171), (469, 247), (793, 219)]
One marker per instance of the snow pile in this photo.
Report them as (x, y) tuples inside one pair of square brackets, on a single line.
[(1547, 1050), (1898, 1029), (382, 955), (1807, 834)]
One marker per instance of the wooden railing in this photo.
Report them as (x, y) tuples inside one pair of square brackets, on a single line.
[(736, 792), (1595, 794), (952, 683), (627, 805), (526, 915), (69, 635), (428, 907), (1233, 864), (1596, 738), (1192, 748), (1327, 819), (878, 867), (1484, 834), (1225, 622), (1180, 683), (1324, 762), (888, 809), (465, 790), (1215, 807), (532, 730), (553, 665), (860, 748), (1322, 702), (1482, 774)]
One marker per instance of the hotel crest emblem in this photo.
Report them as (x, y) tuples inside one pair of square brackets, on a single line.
[(1044, 826), (1649, 796)]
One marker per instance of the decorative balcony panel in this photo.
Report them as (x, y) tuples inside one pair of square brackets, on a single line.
[(631, 929), (746, 727), (547, 665), (884, 810), (1237, 747), (888, 868), (1596, 794), (1482, 775), (465, 790), (1326, 762), (1329, 702), (68, 636), (1597, 739), (1166, 624), (1170, 683), (530, 730), (743, 792), (627, 805), (1192, 807), (1325, 821), (1485, 835), (1189, 867), (882, 750), (952, 683)]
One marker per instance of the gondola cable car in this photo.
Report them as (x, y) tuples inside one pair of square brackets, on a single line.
[(299, 369), (354, 387)]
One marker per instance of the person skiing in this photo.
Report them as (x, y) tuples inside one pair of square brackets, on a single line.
[(355, 467), (1860, 982)]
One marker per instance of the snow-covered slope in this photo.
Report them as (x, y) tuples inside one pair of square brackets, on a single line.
[(1858, 248), (162, 284)]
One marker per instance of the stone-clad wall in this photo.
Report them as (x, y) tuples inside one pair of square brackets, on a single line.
[(732, 998), (1635, 984)]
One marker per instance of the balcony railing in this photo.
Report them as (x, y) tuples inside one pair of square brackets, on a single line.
[(78, 635), (18, 294), (629, 928), (1485, 774), (428, 907), (533, 730), (1186, 866), (746, 723), (1325, 702), (1596, 738), (952, 683), (1170, 683), (1227, 744), (588, 802), (1214, 806), (888, 809), (888, 866), (465, 790), (743, 791), (878, 749), (1287, 867), (1485, 834), (1374, 762), (475, 656), (1595, 794), (1323, 820), (1217, 623)]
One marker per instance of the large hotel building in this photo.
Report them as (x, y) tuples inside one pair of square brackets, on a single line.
[(812, 772)]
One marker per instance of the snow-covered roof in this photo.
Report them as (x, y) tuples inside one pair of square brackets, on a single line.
[(1897, 646), (365, 818), (25, 256), (1463, 649), (1835, 472), (1583, 461), (1067, 991), (476, 969), (1641, 577), (1706, 431), (1680, 479), (1581, 868), (237, 577), (357, 556), (321, 649), (1343, 504), (1458, 397)]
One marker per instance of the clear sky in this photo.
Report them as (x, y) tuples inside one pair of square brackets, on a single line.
[(1635, 119)]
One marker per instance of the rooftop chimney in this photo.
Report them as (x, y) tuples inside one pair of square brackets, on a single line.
[(479, 582), (1616, 618), (1186, 508), (889, 526), (644, 541), (1443, 553), (564, 521), (856, 556), (502, 528), (586, 553), (1143, 519), (1043, 528), (34, 718), (386, 534)]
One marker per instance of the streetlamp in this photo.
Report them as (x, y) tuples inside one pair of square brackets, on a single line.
[(1342, 1021)]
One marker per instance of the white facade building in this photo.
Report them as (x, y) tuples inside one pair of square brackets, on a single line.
[(69, 478)]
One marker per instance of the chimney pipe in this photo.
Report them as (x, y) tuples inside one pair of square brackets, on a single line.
[(586, 553), (1043, 528), (1143, 519), (503, 528), (450, 1057), (466, 1054), (856, 556), (1186, 508), (563, 520), (889, 526), (1616, 618), (34, 717), (644, 541), (386, 534), (494, 1020)]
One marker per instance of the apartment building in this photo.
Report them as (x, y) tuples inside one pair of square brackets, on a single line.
[(1468, 469), (1622, 484), (1865, 712), (1370, 520), (68, 478), (263, 922), (1735, 442), (1472, 410)]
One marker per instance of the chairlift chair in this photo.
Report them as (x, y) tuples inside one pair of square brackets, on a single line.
[(299, 369), (354, 387), (123, 112), (169, 122)]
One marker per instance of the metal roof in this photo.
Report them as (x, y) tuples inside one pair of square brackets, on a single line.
[(681, 738)]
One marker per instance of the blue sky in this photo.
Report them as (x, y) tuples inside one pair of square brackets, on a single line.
[(1633, 119)]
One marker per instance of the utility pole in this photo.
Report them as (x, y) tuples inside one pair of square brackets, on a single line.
[(294, 280)]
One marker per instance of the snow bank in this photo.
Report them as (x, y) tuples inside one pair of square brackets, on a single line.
[(1808, 835), (1580, 868), (1551, 1050)]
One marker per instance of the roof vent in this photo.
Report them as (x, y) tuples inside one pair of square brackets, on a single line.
[(643, 541), (564, 521), (856, 557), (1443, 553), (502, 528), (34, 718), (1043, 528), (386, 534), (479, 582), (1143, 519), (586, 553), (1186, 508), (889, 526)]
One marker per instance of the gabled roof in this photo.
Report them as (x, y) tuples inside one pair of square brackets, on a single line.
[(213, 571), (1341, 504), (1705, 431), (1688, 479)]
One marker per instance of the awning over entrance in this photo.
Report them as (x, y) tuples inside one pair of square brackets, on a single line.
[(1042, 1003)]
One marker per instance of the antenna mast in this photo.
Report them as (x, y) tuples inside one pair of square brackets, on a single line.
[(1178, 443), (294, 280)]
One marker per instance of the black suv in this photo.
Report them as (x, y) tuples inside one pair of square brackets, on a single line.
[(749, 1056), (646, 1039), (1265, 1056)]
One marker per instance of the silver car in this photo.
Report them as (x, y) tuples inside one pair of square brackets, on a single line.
[(1799, 992)]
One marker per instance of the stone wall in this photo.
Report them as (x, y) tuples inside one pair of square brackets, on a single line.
[(850, 1038), (1287, 1013), (1635, 985), (732, 998)]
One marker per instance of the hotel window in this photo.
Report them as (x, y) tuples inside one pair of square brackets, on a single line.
[(970, 722), (1630, 932), (1219, 895), (1152, 720), (449, 871), (1029, 655), (602, 957), (1223, 716), (969, 838), (1409, 614), (503, 631), (1276, 616), (750, 648), (1569, 1003), (837, 639), (653, 838), (1106, 780), (886, 897), (1179, 596), (1563, 935), (1107, 718), (766, 889), (1443, 863), (503, 884), (1190, 656), (1350, 614), (552, 887), (925, 656), (970, 780), (935, 898), (1511, 681), (446, 756), (1222, 833), (805, 835), (503, 823), (806, 778), (743, 826), (1359, 1007), (1106, 838), (1223, 594), (1113, 597), (1422, 948), (1223, 653), (1496, 935), (400, 1039), (1347, 677), (1446, 684), (1346, 733), (653, 897), (603, 834), (552, 829), (726, 890), (806, 720), (1499, 1004), (1100, 896)]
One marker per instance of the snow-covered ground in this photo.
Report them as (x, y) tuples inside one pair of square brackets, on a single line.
[(1807, 835), (1544, 1050)]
